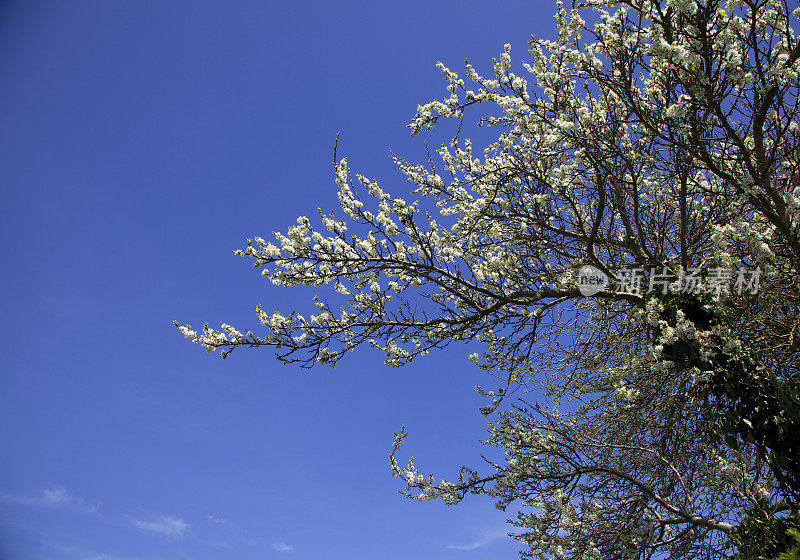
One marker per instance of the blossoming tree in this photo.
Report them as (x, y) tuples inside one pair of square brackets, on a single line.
[(658, 419)]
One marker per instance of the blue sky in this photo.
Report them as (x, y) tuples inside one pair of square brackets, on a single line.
[(140, 143)]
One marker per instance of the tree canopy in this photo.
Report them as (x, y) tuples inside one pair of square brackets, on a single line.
[(658, 143)]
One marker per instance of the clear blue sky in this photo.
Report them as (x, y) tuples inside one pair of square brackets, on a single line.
[(140, 143)]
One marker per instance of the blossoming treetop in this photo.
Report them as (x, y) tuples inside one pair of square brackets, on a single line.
[(661, 136)]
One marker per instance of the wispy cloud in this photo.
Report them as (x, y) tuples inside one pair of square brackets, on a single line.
[(49, 498), (280, 546), (165, 525), (487, 538), (221, 522)]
